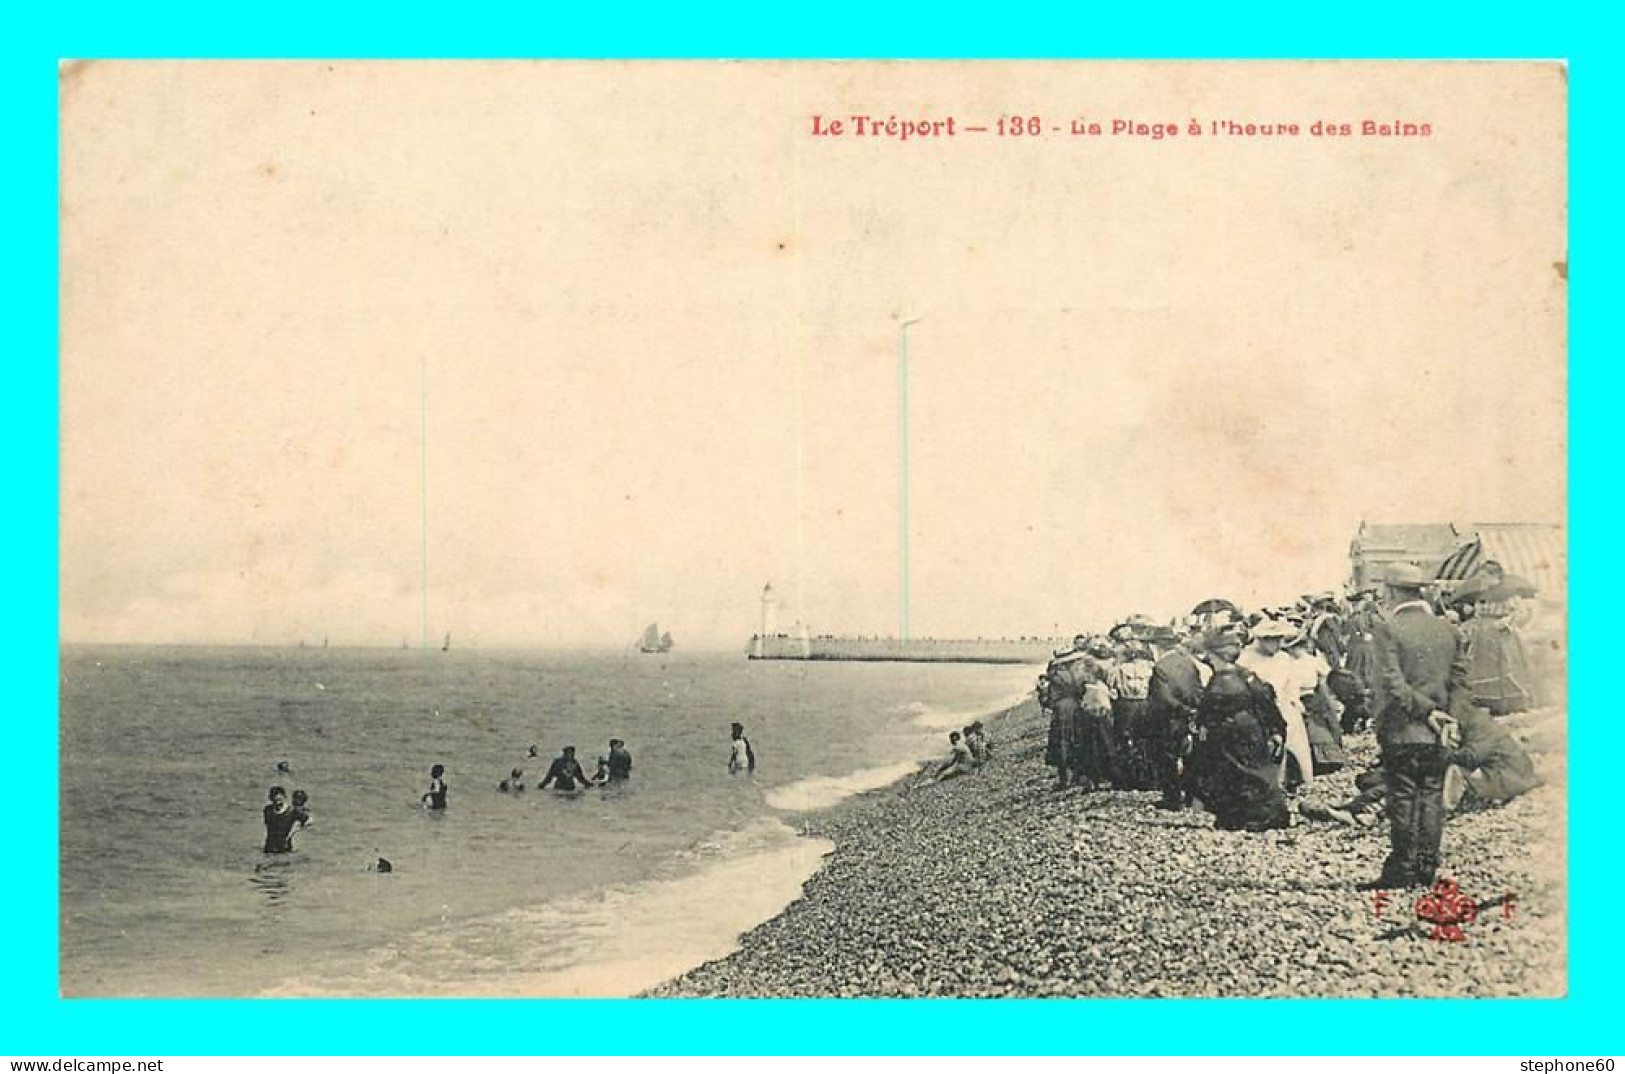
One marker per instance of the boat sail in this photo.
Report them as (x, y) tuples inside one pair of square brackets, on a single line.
[(653, 641)]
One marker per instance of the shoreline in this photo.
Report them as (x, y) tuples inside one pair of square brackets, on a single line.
[(997, 885)]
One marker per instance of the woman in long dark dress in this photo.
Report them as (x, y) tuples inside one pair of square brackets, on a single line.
[(1081, 726), (1237, 756), (1355, 682)]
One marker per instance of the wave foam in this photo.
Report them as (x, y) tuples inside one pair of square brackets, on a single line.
[(616, 944), (934, 719), (822, 792)]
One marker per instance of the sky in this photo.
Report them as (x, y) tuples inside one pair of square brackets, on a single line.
[(586, 345)]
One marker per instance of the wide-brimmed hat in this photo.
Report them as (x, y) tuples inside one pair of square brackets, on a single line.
[(1406, 576), (1274, 628)]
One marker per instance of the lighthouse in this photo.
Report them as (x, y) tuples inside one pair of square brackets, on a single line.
[(770, 619)]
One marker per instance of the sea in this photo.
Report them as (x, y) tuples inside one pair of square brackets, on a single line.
[(167, 755)]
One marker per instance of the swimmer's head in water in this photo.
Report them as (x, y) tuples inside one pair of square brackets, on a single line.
[(282, 766), (437, 771), (516, 773)]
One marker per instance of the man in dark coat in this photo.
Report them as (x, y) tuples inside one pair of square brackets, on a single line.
[(1423, 681), (1171, 700), (1354, 683)]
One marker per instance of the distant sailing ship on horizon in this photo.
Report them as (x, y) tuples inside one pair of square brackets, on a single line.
[(446, 648), (653, 641)]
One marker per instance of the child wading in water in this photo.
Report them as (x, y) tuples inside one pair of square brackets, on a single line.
[(741, 758), (435, 798), (301, 810)]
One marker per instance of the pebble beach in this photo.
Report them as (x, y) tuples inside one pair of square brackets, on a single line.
[(998, 885)]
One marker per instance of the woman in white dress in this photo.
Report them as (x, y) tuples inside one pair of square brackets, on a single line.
[(1322, 713), (1290, 679)]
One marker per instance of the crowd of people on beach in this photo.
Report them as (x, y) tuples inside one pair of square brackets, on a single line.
[(1238, 712)]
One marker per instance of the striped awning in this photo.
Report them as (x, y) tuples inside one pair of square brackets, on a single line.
[(1537, 553)]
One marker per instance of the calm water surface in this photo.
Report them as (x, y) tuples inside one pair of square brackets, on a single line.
[(167, 754)]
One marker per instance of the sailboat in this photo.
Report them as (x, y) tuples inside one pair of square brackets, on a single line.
[(653, 641), (446, 648)]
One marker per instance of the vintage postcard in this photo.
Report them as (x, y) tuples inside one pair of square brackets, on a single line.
[(813, 529)]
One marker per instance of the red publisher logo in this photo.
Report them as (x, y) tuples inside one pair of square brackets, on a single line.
[(1447, 908)]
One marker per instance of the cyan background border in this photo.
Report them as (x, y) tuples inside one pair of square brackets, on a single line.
[(36, 1022)]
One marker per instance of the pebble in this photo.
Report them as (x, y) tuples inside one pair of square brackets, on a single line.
[(999, 885)]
